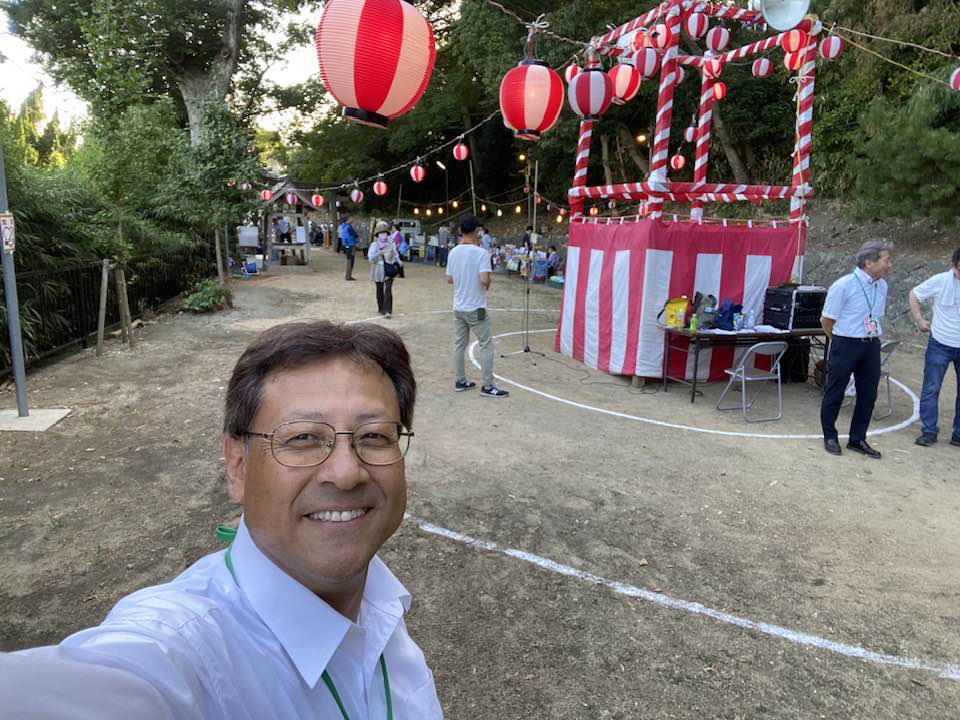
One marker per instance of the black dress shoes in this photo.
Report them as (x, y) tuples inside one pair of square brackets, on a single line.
[(832, 446), (861, 447)]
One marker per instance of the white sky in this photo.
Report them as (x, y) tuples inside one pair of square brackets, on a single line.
[(19, 75)]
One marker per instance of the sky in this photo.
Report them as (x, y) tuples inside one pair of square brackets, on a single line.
[(19, 75)]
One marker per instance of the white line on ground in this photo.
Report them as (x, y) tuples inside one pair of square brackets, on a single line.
[(677, 426), (949, 671)]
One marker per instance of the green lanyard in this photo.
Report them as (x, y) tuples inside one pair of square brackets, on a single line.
[(227, 534), (870, 305)]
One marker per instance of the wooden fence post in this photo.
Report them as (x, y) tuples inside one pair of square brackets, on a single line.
[(102, 315), (118, 292)]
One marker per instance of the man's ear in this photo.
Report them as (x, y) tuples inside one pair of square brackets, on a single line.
[(234, 453)]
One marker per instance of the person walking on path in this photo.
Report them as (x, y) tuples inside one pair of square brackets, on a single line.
[(851, 318), (348, 240), (943, 347), (486, 242), (468, 270), (384, 256)]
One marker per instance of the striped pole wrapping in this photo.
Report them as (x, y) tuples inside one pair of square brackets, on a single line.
[(668, 84), (582, 165), (731, 13), (611, 37), (804, 138), (752, 49), (624, 191), (702, 155)]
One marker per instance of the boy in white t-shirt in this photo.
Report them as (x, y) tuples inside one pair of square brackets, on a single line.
[(943, 347), (468, 270)]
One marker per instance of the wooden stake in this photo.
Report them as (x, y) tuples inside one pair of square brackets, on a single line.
[(102, 315), (117, 282), (125, 318)]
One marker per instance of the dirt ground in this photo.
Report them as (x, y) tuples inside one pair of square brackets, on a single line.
[(861, 556)]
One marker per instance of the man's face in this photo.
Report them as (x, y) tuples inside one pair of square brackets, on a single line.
[(881, 267), (280, 503)]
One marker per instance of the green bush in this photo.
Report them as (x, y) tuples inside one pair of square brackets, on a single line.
[(208, 295)]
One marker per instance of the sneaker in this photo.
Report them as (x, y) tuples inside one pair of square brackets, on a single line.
[(493, 391), (955, 440), (926, 439), (460, 386)]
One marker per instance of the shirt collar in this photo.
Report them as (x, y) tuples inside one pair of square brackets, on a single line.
[(863, 276), (307, 627)]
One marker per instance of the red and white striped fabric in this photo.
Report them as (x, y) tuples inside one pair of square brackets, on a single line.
[(647, 62), (376, 57), (418, 172), (718, 38), (831, 47), (696, 25), (955, 80), (618, 277), (461, 152), (531, 96), (590, 93), (356, 195), (625, 79), (380, 188), (762, 68), (571, 72)]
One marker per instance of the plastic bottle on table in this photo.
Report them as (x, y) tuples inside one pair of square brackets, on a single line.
[(693, 323), (751, 320)]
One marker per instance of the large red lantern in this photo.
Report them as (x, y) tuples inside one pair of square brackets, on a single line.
[(572, 71), (794, 40), (793, 60), (380, 188), (266, 195), (418, 172), (317, 200), (461, 151), (831, 47), (590, 93), (376, 57), (696, 25), (356, 195), (626, 82), (762, 68), (531, 96), (955, 80), (718, 38), (292, 199), (647, 62)]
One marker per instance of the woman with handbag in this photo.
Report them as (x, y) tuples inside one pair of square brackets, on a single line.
[(385, 266)]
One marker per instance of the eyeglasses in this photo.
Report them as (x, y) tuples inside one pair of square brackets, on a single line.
[(306, 443)]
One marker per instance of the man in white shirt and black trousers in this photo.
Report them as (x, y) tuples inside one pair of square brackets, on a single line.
[(298, 618), (851, 317), (943, 347)]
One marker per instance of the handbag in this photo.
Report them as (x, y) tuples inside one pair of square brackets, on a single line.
[(392, 270)]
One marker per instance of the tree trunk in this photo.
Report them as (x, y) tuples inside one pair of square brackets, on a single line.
[(216, 249), (638, 159), (605, 158), (465, 117), (198, 85), (740, 172)]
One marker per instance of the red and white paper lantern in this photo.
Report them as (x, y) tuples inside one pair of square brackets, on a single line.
[(831, 47), (625, 79), (718, 38), (690, 134), (266, 195), (762, 68), (713, 68), (719, 90), (955, 80), (677, 162), (696, 25), (317, 200), (794, 40), (590, 93), (612, 204), (647, 62), (572, 71), (380, 188), (660, 36), (793, 60), (594, 210), (531, 96), (418, 172), (461, 151), (246, 186), (356, 195), (292, 198), (376, 57)]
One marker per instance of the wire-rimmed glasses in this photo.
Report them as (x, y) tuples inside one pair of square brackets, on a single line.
[(306, 443)]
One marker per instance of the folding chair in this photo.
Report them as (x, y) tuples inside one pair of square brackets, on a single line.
[(746, 372), (886, 350)]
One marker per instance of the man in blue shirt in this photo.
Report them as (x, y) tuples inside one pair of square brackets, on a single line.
[(348, 240), (851, 318)]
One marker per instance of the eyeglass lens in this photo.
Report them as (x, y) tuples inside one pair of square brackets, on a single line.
[(304, 443)]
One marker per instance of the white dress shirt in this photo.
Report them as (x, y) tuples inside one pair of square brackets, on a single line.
[(256, 646), (848, 303), (944, 288)]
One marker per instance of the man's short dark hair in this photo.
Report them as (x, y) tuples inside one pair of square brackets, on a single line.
[(293, 345), (529, 228), (956, 257), (469, 224)]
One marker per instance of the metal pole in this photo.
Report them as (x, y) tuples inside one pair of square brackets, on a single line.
[(536, 183), (529, 198), (399, 200), (13, 308), (473, 190)]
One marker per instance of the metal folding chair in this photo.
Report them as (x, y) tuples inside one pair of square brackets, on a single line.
[(745, 372), (886, 350)]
